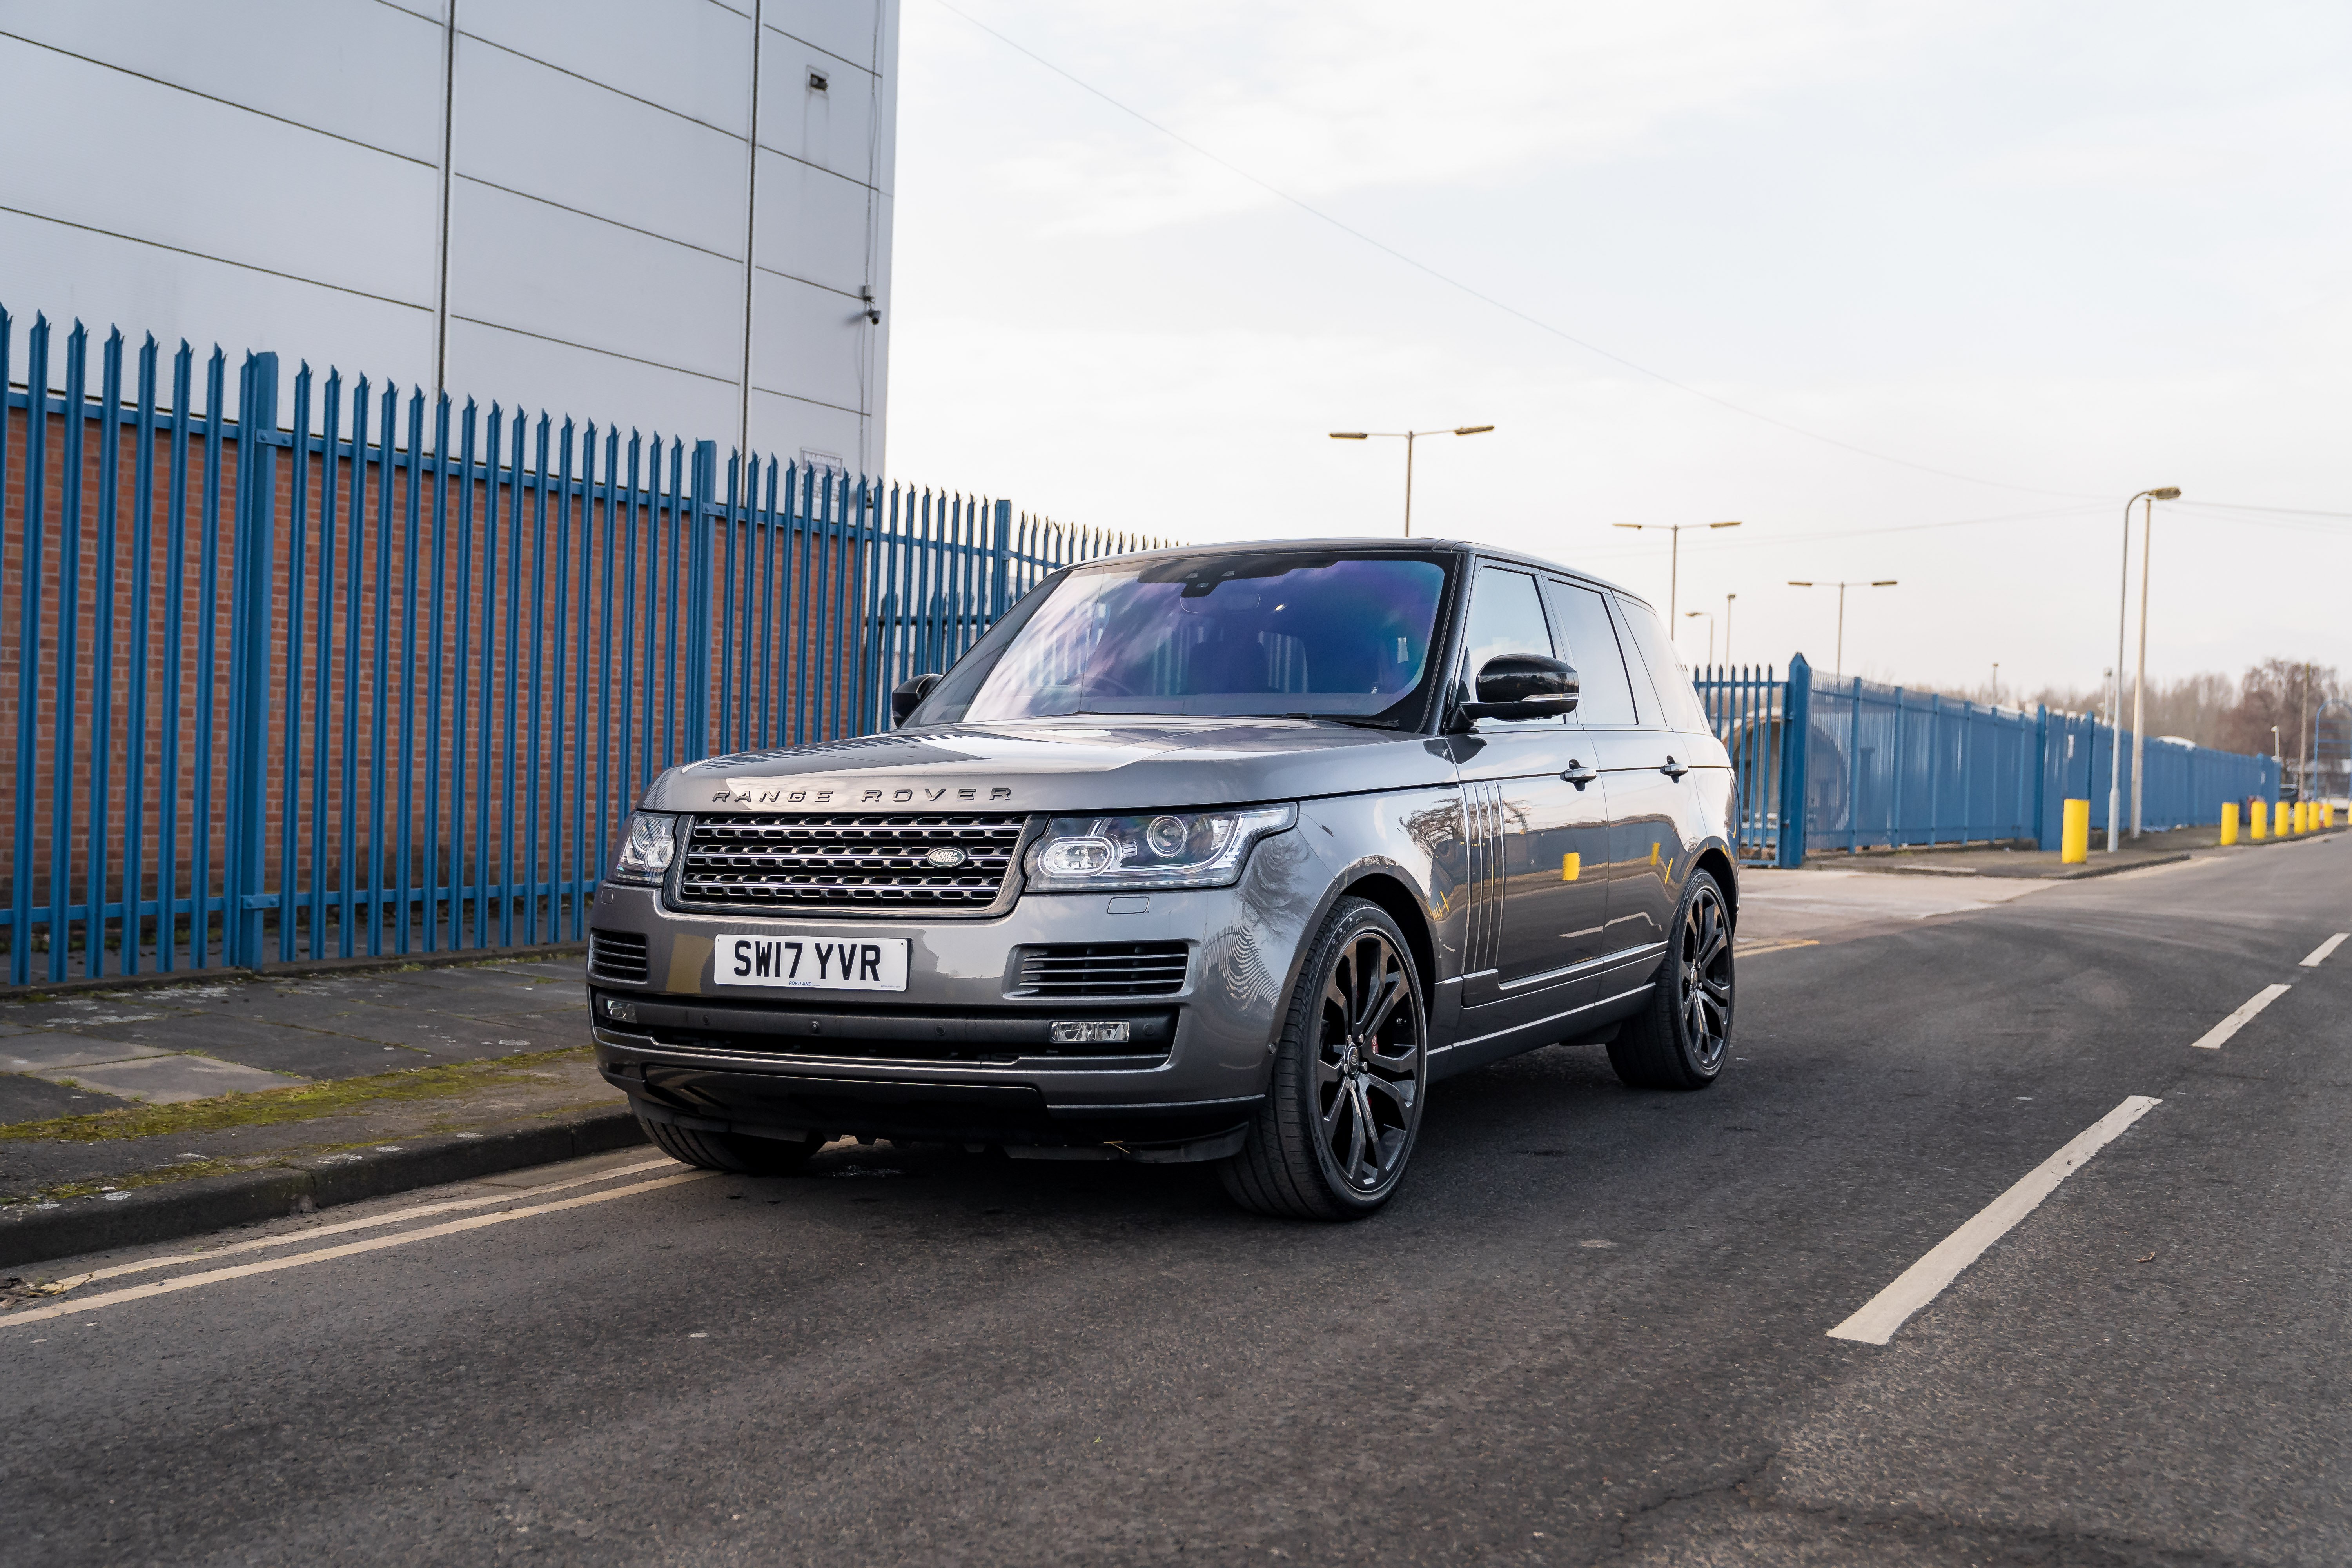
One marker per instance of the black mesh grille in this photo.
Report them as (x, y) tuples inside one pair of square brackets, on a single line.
[(1103, 969), (616, 955), (803, 860)]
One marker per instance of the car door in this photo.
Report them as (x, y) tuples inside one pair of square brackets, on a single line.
[(1653, 807), (1538, 888)]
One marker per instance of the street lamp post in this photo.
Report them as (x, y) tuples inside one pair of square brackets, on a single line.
[(2303, 715), (1409, 438), (2139, 682), (1675, 571), (1693, 614), (1841, 588)]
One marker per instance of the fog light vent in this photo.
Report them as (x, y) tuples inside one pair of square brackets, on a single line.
[(1090, 1034), (620, 1009)]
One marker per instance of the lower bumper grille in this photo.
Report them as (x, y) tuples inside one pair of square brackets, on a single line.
[(617, 955), (1103, 969), (852, 1034)]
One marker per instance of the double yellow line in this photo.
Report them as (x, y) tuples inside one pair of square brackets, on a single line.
[(349, 1249)]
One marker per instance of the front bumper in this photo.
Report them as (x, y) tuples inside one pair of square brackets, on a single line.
[(964, 1054)]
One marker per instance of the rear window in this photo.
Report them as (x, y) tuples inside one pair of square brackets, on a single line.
[(1677, 697), (1580, 624)]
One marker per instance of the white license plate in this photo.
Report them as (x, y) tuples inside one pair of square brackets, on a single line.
[(812, 963)]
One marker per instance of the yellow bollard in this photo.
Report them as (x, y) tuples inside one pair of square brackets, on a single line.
[(2228, 822), (2301, 813), (2260, 827), (2074, 833)]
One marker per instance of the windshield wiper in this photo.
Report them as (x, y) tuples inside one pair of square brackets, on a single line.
[(1356, 718)]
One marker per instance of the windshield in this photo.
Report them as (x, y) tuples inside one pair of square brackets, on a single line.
[(1236, 634)]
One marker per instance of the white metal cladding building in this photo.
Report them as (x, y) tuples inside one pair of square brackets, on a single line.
[(556, 204)]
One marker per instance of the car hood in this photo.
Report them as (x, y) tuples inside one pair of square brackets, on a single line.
[(1066, 764)]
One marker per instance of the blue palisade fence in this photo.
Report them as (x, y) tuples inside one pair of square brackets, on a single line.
[(384, 678), (1876, 767)]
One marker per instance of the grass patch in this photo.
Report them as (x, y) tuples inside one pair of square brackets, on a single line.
[(189, 1170), (270, 1107)]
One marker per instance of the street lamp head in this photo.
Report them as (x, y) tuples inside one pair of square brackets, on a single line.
[(1481, 429), (2165, 492), (1625, 525), (1889, 583), (1794, 584), (1734, 523), (1350, 434)]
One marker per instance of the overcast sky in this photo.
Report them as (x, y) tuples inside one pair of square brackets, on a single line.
[(2058, 253)]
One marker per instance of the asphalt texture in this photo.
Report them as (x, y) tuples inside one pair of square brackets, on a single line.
[(1591, 1327)]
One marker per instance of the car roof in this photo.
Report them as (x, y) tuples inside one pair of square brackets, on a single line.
[(1465, 546)]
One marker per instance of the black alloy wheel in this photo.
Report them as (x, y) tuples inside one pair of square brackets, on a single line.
[(1681, 1036), (1350, 1077)]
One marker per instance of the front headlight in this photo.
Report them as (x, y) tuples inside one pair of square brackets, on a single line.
[(1150, 849), (647, 846)]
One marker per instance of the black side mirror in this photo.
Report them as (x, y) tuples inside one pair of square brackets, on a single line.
[(908, 696), (1524, 685)]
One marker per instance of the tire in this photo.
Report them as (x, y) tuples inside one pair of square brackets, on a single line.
[(737, 1152), (1309, 1155), (1681, 1036)]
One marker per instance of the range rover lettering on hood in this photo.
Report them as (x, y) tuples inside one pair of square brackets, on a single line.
[(738, 793)]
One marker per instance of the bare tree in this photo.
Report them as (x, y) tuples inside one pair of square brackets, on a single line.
[(2208, 708), (2277, 692)]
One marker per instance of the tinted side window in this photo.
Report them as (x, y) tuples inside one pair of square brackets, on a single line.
[(1505, 616), (1588, 642), (1671, 679)]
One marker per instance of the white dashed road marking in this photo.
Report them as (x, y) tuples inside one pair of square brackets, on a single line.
[(2238, 1020), (1924, 1280), (349, 1249), (2319, 954)]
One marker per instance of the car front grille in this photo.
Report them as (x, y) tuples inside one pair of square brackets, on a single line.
[(809, 860), (617, 955), (1103, 969)]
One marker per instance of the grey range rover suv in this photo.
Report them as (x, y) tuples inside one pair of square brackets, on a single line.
[(1223, 854)]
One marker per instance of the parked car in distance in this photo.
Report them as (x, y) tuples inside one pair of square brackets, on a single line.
[(1223, 854)]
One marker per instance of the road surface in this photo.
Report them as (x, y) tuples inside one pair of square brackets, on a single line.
[(1595, 1327)]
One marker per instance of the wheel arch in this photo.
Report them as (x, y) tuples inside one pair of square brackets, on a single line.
[(1403, 905), (1715, 860), (1381, 882)]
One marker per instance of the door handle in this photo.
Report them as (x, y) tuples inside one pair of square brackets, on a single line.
[(1673, 769), (1579, 774)]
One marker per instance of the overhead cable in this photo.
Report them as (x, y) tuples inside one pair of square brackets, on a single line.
[(1486, 299)]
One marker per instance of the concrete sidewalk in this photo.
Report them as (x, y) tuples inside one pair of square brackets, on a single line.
[(1835, 898), (77, 1053), (156, 1109), (1999, 860)]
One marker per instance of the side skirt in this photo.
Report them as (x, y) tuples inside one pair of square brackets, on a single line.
[(1593, 1020)]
